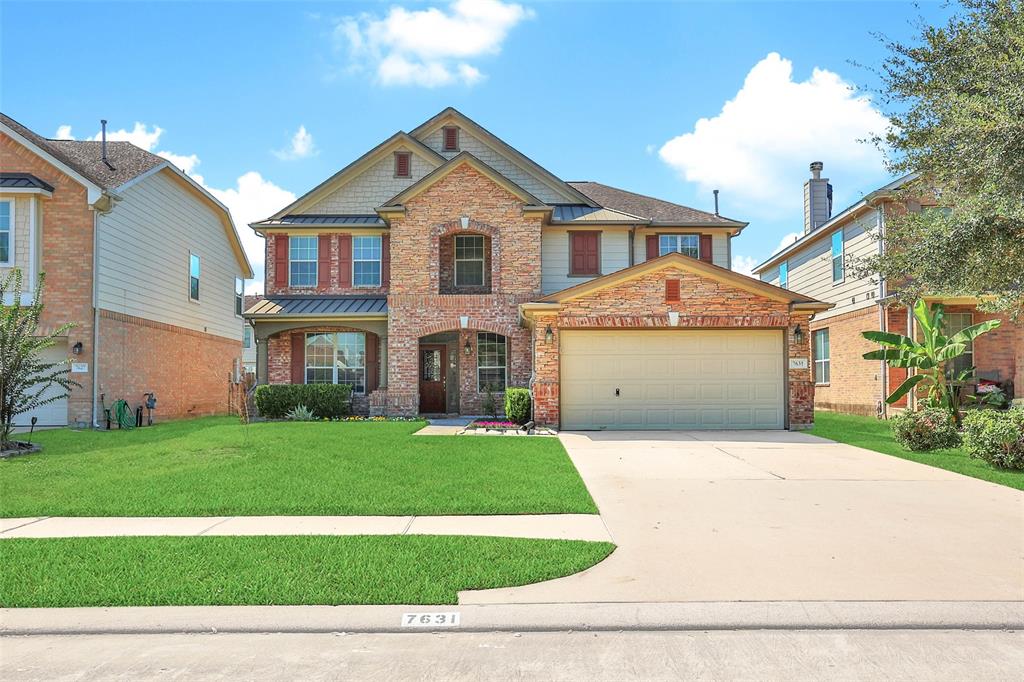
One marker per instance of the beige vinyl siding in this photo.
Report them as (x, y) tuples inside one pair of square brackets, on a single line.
[(144, 245), (21, 210), (500, 163), (371, 188), (810, 269), (719, 244), (614, 246)]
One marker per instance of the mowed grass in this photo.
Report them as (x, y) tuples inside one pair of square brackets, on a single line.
[(217, 466), (875, 434), (176, 571)]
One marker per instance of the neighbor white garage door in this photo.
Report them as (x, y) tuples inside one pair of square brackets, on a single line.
[(55, 413), (672, 379)]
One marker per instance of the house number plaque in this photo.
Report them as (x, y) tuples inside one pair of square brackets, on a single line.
[(798, 363)]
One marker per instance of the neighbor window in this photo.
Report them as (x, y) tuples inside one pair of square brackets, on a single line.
[(491, 368), (957, 322), (247, 337), (6, 232), (302, 260), (686, 244), (403, 165), (337, 359), (784, 274), (239, 295), (366, 261), (822, 357), (837, 257), (193, 276), (469, 260)]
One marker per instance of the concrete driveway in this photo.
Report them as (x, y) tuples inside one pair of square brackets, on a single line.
[(762, 516)]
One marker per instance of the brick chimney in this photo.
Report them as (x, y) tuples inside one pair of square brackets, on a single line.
[(817, 199)]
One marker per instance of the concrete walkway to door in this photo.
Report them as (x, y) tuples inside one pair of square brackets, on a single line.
[(773, 515)]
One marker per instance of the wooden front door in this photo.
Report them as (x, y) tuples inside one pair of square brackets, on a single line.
[(433, 366)]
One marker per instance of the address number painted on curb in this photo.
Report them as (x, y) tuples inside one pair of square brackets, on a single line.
[(430, 620)]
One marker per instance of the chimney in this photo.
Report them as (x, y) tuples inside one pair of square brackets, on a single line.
[(716, 202), (103, 143), (817, 199)]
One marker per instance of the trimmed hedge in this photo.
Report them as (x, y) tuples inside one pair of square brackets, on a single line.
[(996, 437), (517, 405), (330, 401), (928, 429)]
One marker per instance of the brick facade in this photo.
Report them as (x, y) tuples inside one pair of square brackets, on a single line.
[(855, 383), (331, 287)]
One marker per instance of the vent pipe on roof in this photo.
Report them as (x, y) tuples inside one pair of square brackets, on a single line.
[(103, 143), (716, 201)]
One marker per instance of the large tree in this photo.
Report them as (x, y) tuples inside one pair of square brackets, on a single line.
[(955, 98)]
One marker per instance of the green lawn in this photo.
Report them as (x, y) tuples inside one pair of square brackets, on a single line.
[(165, 571), (875, 434), (216, 466)]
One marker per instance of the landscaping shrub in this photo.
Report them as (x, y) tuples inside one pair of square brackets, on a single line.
[(996, 437), (517, 404), (928, 429), (331, 401)]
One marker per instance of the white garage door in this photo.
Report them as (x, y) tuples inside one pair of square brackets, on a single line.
[(55, 413), (672, 379)]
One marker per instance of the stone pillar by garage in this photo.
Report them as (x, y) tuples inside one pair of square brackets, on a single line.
[(801, 381), (546, 371)]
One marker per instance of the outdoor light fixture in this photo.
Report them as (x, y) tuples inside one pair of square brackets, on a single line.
[(468, 348), (549, 334), (77, 348), (464, 221), (798, 334)]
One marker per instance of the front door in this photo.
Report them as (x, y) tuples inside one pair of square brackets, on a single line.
[(433, 362)]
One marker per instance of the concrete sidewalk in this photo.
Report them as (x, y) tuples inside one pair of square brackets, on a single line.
[(542, 526)]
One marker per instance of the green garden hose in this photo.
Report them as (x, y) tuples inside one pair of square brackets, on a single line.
[(123, 414)]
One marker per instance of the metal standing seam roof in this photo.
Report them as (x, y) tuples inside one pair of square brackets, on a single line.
[(23, 181), (581, 213), (320, 219), (319, 305)]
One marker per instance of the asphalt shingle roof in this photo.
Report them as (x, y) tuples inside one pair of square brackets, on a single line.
[(657, 210)]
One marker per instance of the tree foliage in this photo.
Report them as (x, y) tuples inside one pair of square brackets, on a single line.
[(955, 98), (24, 376)]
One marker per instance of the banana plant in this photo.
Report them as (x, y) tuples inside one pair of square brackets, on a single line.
[(929, 356)]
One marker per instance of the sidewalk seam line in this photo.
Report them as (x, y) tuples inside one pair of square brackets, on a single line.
[(206, 530), (405, 531), (27, 523)]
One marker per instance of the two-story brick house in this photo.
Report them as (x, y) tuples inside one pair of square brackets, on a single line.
[(140, 258), (444, 262), (821, 263)]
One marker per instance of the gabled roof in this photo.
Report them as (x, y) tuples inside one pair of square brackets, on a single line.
[(697, 267), (353, 169), (654, 210), (451, 114)]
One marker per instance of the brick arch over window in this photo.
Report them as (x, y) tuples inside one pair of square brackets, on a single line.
[(442, 240)]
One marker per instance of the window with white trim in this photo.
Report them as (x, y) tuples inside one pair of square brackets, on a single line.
[(838, 267), (491, 361), (246, 336), (194, 270), (239, 295), (469, 260), (366, 261), (957, 322), (686, 244), (337, 358), (784, 274), (822, 357), (302, 261), (6, 232)]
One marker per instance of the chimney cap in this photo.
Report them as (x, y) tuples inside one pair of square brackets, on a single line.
[(817, 166)]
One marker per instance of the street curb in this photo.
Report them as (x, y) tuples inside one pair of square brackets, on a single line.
[(610, 616)]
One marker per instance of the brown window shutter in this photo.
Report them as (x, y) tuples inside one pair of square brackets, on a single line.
[(671, 290), (585, 257), (705, 248), (403, 165), (451, 139), (281, 260), (323, 257), (385, 260), (652, 246), (298, 358), (344, 260), (372, 362)]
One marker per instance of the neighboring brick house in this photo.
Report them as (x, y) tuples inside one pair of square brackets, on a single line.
[(443, 262), (821, 264), (143, 260)]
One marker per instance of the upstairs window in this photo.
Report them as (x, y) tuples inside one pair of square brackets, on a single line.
[(838, 267), (366, 261), (469, 260), (686, 244), (491, 361), (239, 296), (302, 261), (450, 137), (585, 253), (6, 232), (403, 165), (822, 357), (784, 274), (193, 276)]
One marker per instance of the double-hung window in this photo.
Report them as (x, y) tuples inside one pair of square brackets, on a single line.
[(193, 276), (6, 232), (469, 260), (338, 358), (784, 274), (246, 336), (686, 244), (822, 357), (838, 267), (302, 260), (957, 322), (239, 295), (491, 361), (366, 261)]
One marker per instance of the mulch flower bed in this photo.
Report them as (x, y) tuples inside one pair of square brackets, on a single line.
[(19, 447)]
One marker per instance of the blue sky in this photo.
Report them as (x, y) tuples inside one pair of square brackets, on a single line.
[(263, 100)]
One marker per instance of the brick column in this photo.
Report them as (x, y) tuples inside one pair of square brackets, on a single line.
[(801, 381), (546, 371)]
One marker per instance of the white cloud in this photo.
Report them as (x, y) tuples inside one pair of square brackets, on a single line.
[(758, 147), (185, 163), (64, 133), (787, 240), (301, 146), (744, 265), (428, 47)]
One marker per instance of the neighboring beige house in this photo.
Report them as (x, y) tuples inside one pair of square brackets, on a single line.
[(140, 258), (820, 264), (249, 341)]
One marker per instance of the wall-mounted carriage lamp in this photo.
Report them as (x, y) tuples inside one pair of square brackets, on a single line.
[(467, 348), (798, 334), (549, 334), (77, 348)]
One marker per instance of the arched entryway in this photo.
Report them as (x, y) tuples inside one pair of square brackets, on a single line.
[(460, 371)]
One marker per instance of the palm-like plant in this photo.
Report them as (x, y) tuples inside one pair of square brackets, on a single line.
[(929, 356)]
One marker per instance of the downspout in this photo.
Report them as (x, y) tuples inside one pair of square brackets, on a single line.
[(632, 245), (95, 316), (883, 319)]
